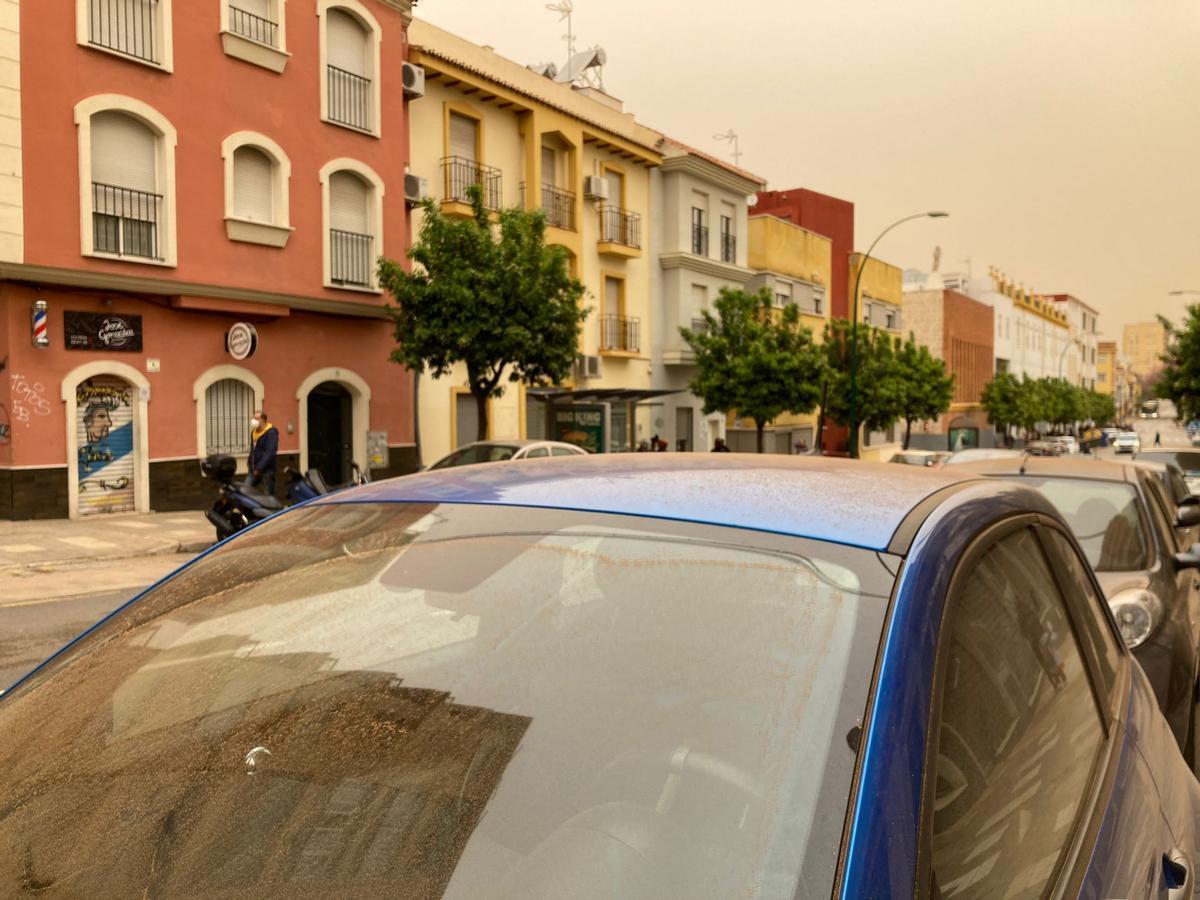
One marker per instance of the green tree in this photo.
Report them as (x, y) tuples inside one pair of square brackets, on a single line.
[(926, 389), (1179, 379), (880, 382), (1033, 404), (1101, 408), (752, 358), (1064, 402), (1001, 400), (495, 298)]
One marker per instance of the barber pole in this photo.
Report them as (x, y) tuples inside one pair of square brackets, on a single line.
[(41, 334)]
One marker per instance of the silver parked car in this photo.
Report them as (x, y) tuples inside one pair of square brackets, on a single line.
[(501, 451)]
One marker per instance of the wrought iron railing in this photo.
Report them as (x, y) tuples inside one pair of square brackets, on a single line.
[(351, 260), (125, 26), (699, 326), (700, 240), (349, 98), (559, 206), (460, 173), (728, 248), (618, 226), (125, 221), (620, 333), (253, 28)]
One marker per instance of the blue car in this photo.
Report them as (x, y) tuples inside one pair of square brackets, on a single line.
[(642, 676)]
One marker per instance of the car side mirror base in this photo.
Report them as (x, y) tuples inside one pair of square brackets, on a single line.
[(1188, 559)]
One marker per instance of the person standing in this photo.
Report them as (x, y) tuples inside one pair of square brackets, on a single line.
[(719, 446), (1157, 439), (264, 448)]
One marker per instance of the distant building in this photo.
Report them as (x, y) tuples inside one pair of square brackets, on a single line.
[(1106, 367), (1142, 345), (1079, 366)]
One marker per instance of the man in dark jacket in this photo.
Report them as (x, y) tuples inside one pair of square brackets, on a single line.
[(264, 447)]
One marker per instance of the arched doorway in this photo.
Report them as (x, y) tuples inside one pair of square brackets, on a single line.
[(106, 441), (330, 431)]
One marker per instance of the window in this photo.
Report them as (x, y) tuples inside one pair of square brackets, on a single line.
[(617, 331), (562, 451), (783, 295), (537, 453), (728, 240), (138, 30), (127, 180), (890, 320), (1096, 632), (699, 231), (257, 176), (1016, 698), (1104, 518), (255, 31), (353, 211), (461, 168), (350, 60), (228, 406)]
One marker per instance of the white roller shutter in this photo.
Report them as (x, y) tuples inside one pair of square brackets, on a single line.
[(464, 133), (348, 201), (253, 188), (612, 296), (549, 167), (260, 8), (123, 152), (346, 43)]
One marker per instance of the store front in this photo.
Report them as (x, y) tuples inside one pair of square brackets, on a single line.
[(606, 420)]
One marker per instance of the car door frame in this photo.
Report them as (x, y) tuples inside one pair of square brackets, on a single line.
[(1072, 868)]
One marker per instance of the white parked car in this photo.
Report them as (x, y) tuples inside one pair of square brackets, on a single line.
[(1068, 441), (501, 451), (1127, 442)]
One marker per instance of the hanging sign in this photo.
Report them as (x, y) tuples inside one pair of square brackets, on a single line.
[(242, 341), (102, 331)]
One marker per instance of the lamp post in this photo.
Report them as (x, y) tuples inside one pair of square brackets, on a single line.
[(934, 214), (1062, 357)]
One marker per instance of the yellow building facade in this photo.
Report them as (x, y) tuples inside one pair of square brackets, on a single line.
[(532, 142), (1106, 367), (880, 305), (1142, 345)]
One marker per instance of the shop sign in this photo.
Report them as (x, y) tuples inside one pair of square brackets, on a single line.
[(102, 331), (378, 456), (582, 424), (242, 341)]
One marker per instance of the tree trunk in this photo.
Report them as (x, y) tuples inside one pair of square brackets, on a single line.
[(416, 402), (907, 432), (760, 426), (481, 406), (821, 418)]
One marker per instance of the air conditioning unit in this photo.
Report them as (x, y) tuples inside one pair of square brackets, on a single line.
[(416, 190), (595, 187), (414, 81), (587, 367)]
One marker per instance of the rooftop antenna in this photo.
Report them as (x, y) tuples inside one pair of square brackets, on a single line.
[(732, 138), (565, 8)]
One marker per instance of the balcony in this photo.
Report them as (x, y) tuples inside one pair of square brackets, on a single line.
[(619, 334), (700, 240), (351, 101), (128, 27), (460, 173), (728, 247), (620, 232), (253, 28), (351, 259), (125, 222), (559, 206)]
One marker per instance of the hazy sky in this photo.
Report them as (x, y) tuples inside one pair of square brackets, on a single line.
[(1062, 135)]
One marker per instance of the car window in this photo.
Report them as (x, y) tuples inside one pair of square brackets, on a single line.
[(1160, 506), (1019, 730), (563, 451), (476, 453), (1104, 517), (537, 453)]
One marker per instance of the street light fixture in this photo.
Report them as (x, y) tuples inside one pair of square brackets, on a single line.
[(933, 214)]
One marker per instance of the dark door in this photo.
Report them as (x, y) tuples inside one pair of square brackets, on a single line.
[(329, 434)]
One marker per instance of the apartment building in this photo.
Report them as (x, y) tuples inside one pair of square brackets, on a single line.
[(193, 200), (1078, 364), (1142, 345), (528, 140)]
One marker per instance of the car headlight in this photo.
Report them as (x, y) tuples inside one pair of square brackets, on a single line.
[(1138, 613)]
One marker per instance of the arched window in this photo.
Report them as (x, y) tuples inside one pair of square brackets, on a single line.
[(350, 59), (353, 215), (257, 176), (253, 186), (228, 406)]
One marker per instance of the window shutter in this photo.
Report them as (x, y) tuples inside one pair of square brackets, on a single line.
[(549, 167), (260, 8), (346, 42), (616, 189), (228, 406), (612, 297), (348, 203), (253, 189), (463, 136), (123, 152)]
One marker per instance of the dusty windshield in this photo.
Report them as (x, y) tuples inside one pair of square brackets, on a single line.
[(1104, 518), (468, 701)]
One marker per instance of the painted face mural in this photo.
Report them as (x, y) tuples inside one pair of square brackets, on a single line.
[(104, 428)]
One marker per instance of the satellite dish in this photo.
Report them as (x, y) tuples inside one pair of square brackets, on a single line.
[(580, 63), (752, 200)]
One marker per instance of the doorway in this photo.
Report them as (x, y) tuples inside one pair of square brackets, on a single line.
[(330, 434), (105, 438)]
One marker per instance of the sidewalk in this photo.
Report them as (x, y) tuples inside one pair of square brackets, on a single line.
[(50, 545)]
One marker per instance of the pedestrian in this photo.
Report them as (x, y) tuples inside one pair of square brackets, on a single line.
[(1157, 439), (264, 448), (719, 446)]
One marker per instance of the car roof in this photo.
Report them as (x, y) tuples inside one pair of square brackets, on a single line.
[(1054, 466), (844, 501)]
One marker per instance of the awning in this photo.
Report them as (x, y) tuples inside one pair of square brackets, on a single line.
[(596, 395)]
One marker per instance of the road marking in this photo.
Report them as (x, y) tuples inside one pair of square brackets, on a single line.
[(87, 543), (21, 548)]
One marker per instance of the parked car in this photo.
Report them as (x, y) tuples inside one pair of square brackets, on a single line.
[(655, 675), (926, 458), (1046, 448), (1068, 441), (975, 454), (1180, 506), (1188, 462), (1125, 524), (500, 451), (1127, 442)]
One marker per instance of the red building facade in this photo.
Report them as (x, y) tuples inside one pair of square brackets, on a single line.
[(200, 191)]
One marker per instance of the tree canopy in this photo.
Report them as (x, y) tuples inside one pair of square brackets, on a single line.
[(880, 392), (1033, 402), (1179, 379), (494, 297), (926, 388), (754, 359)]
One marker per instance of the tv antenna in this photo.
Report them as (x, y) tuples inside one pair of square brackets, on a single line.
[(732, 137), (565, 9)]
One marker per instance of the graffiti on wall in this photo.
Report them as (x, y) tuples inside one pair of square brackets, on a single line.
[(28, 399), (104, 427), (5, 425)]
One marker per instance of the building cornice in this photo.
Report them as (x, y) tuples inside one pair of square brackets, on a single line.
[(714, 174), (404, 7), (105, 281), (678, 259)]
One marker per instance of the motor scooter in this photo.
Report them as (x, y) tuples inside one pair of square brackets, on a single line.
[(238, 505)]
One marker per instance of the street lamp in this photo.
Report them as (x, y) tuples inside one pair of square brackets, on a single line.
[(934, 214), (1062, 357)]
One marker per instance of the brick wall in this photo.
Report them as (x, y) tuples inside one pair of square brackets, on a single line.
[(970, 345)]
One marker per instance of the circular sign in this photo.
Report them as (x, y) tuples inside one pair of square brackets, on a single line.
[(242, 341)]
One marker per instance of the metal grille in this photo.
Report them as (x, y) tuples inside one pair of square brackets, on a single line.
[(617, 226), (728, 248), (559, 206), (125, 221), (228, 406), (620, 333), (460, 173), (350, 257), (350, 99), (700, 240), (126, 26), (252, 27)]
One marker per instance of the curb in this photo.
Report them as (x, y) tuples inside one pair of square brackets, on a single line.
[(83, 562)]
